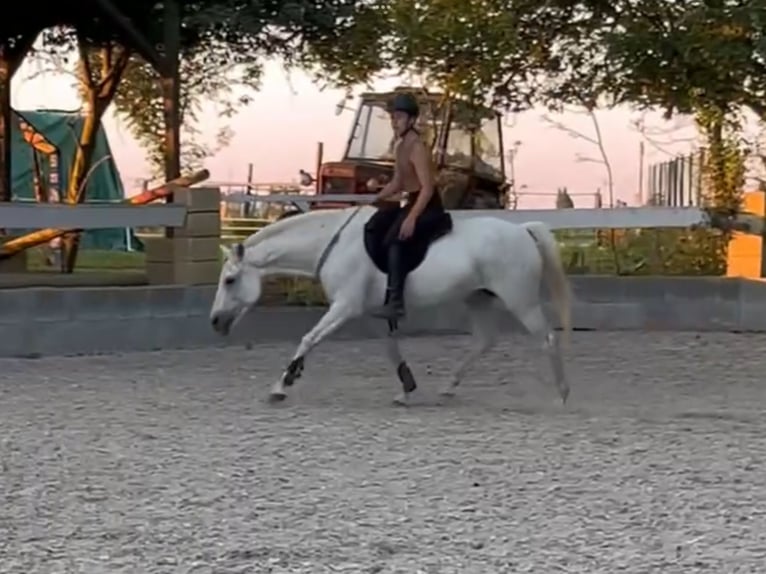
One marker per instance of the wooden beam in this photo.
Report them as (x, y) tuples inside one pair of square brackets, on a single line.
[(139, 41)]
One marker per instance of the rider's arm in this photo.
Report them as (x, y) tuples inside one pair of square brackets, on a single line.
[(421, 161), (392, 187)]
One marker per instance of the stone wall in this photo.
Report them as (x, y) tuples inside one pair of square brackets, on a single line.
[(190, 256)]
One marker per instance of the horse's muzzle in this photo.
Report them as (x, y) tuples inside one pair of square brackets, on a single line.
[(221, 324)]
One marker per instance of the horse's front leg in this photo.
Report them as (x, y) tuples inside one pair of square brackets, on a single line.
[(402, 369), (335, 316)]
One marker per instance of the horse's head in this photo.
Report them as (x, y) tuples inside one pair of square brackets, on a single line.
[(239, 288)]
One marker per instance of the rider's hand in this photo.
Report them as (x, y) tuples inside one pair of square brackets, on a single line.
[(407, 228), (380, 197)]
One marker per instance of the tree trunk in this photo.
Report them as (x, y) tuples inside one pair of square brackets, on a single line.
[(11, 57), (5, 128), (99, 94), (77, 184), (171, 95)]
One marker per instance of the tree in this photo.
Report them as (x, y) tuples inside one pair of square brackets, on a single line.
[(472, 50), (701, 58), (236, 37), (139, 102), (13, 49)]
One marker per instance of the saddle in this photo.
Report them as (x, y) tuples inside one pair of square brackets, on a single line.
[(433, 224)]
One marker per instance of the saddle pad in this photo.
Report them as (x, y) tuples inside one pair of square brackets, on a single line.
[(435, 226)]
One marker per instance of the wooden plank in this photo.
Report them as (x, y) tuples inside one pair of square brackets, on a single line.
[(89, 216)]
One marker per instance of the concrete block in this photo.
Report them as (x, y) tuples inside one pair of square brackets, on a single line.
[(597, 288), (646, 288), (67, 338), (106, 303), (752, 317), (752, 291), (262, 324), (188, 332), (701, 288), (18, 339), (165, 334), (165, 301), (607, 316), (183, 273), (131, 302), (724, 316), (199, 199), (18, 305), (203, 224), (199, 299), (165, 249)]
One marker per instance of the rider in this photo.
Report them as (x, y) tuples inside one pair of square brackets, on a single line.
[(422, 212)]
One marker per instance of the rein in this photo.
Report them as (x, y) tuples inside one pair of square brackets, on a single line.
[(330, 244)]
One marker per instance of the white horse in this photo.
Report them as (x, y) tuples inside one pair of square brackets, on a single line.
[(483, 260)]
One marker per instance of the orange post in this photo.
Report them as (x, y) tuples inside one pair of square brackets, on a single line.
[(746, 252)]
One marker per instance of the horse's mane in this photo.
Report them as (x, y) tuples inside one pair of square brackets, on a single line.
[(287, 223)]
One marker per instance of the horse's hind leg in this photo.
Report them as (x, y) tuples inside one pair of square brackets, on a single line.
[(537, 325), (484, 330)]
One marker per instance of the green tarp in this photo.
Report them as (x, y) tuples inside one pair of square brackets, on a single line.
[(61, 130)]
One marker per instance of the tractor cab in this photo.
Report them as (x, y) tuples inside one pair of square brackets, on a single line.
[(466, 143)]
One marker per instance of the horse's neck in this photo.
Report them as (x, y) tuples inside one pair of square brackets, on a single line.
[(294, 245)]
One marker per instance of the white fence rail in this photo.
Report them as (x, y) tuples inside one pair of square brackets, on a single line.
[(89, 215), (574, 218)]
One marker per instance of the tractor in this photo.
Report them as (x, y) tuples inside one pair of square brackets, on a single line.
[(466, 141)]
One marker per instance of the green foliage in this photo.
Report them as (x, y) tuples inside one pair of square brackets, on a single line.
[(699, 252), (233, 39), (683, 55), (352, 49), (724, 168), (139, 102)]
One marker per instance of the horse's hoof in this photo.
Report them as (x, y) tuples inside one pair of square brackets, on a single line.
[(448, 391), (277, 397), (401, 400)]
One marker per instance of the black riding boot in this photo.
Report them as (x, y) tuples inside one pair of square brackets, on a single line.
[(393, 308)]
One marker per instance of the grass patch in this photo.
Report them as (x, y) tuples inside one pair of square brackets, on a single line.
[(91, 260), (298, 291)]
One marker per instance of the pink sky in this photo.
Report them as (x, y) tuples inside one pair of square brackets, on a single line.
[(279, 131)]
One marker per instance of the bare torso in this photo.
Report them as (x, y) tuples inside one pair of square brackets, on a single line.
[(403, 166)]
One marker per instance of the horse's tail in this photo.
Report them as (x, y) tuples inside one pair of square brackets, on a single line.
[(553, 273)]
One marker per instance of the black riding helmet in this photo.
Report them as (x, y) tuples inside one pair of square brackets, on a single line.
[(405, 102)]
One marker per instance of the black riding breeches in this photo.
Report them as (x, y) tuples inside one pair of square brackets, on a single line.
[(388, 221)]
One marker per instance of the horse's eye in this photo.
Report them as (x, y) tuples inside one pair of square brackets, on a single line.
[(229, 280)]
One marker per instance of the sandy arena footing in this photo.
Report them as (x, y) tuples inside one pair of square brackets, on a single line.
[(174, 463)]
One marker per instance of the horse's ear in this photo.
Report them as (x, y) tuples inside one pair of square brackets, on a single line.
[(225, 251), (239, 251)]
